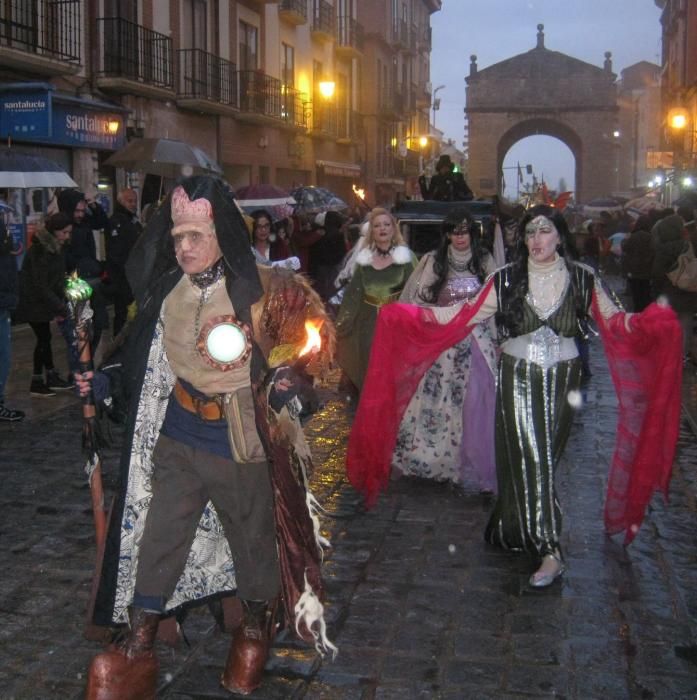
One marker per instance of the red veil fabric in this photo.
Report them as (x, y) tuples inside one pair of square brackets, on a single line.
[(646, 368), (407, 341)]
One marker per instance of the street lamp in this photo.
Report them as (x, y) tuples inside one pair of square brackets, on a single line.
[(436, 103)]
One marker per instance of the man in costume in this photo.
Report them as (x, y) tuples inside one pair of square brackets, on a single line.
[(214, 492), (446, 185)]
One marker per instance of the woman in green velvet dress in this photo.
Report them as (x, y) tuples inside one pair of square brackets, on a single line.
[(383, 266)]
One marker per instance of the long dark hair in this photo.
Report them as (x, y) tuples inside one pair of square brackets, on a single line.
[(511, 313), (455, 218)]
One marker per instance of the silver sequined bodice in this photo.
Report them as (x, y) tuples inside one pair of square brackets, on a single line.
[(458, 289)]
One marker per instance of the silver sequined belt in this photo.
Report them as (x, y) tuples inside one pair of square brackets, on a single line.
[(542, 347)]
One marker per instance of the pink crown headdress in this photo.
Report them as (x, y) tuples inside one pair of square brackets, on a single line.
[(190, 214)]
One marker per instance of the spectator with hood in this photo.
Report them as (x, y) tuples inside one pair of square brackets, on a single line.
[(124, 230), (81, 252)]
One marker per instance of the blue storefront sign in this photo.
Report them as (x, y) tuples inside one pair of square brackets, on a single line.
[(36, 113), (25, 115)]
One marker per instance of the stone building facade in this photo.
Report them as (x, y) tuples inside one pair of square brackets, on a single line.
[(679, 82), (240, 79)]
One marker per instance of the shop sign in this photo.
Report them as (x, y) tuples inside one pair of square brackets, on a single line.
[(74, 125), (25, 115)]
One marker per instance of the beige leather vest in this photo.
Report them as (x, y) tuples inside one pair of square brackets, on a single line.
[(181, 329)]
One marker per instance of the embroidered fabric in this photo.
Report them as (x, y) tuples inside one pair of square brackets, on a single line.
[(547, 286), (209, 276)]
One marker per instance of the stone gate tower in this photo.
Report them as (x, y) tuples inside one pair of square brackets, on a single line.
[(547, 93)]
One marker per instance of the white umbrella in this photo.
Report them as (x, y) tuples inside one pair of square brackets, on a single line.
[(24, 171)]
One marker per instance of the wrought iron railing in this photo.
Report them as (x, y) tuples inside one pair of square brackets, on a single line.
[(267, 96), (324, 120), (134, 52), (204, 76), (323, 18), (349, 33), (298, 6), (46, 27)]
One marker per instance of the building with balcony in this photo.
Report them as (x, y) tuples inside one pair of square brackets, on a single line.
[(679, 82), (395, 66), (284, 92)]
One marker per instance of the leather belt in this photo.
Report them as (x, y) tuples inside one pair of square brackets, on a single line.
[(211, 409), (380, 301)]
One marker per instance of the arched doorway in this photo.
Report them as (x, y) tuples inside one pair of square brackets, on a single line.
[(537, 127)]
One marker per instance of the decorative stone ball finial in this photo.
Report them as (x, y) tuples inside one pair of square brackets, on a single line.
[(473, 64), (608, 61), (540, 36)]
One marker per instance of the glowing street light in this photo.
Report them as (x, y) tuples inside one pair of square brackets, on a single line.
[(326, 89)]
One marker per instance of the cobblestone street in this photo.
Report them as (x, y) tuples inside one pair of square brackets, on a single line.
[(418, 605)]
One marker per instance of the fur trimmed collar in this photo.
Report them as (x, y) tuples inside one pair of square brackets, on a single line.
[(48, 241), (401, 255)]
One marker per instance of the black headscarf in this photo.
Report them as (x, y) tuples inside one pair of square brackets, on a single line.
[(153, 259)]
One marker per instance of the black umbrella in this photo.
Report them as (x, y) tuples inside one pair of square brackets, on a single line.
[(164, 157)]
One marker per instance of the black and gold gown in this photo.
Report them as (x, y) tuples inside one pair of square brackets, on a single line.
[(539, 367)]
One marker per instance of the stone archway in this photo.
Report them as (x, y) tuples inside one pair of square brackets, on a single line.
[(543, 92), (539, 127)]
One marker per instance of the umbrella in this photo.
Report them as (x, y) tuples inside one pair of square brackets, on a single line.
[(596, 206), (641, 205), (313, 200), (274, 200), (5, 208), (164, 157), (22, 171)]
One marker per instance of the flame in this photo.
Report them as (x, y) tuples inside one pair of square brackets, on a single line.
[(314, 340), (358, 191)]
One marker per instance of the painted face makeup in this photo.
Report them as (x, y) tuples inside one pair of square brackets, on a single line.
[(541, 239)]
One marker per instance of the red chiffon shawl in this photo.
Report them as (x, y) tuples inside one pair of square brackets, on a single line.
[(646, 368), (407, 341)]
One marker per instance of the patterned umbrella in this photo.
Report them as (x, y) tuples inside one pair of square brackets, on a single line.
[(274, 200), (313, 200)]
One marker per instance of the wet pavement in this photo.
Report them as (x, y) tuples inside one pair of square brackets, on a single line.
[(419, 606)]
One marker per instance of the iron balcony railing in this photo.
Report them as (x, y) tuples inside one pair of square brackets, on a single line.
[(134, 52), (324, 120), (45, 27), (297, 6), (323, 18), (204, 76), (349, 33), (266, 96)]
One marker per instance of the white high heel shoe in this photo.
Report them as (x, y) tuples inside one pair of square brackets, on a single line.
[(542, 579)]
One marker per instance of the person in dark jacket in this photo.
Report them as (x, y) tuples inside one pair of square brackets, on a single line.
[(327, 253), (124, 230), (670, 240), (447, 185), (42, 298), (637, 260), (81, 252), (9, 294)]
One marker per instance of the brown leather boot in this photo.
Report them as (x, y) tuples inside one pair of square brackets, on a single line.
[(249, 650), (127, 671)]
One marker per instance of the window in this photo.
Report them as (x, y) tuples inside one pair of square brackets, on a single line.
[(123, 9), (195, 25), (248, 42), (287, 65)]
